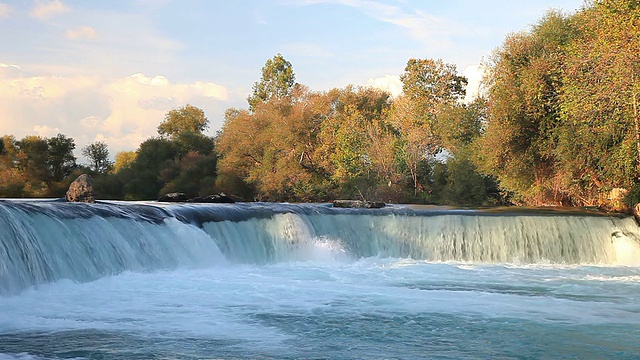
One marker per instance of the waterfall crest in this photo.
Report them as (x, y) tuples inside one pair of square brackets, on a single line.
[(43, 241)]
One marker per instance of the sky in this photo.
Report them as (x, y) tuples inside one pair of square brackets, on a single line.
[(110, 70)]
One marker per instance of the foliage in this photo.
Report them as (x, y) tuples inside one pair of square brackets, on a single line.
[(524, 79), (277, 80), (124, 159), (98, 155), (187, 120)]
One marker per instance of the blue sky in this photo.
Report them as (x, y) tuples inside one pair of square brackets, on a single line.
[(110, 70)]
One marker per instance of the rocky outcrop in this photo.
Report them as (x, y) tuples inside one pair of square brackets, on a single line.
[(358, 204), (81, 190)]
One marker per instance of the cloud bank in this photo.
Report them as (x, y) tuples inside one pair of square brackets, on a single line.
[(122, 111)]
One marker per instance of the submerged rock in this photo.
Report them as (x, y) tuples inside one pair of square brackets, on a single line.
[(217, 198), (358, 204), (182, 197), (81, 190), (173, 197)]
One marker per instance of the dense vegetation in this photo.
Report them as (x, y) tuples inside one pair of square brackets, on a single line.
[(558, 124)]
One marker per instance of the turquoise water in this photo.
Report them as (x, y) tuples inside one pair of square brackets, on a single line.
[(294, 286)]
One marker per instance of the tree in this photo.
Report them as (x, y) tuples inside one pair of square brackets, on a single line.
[(518, 145), (185, 120), (149, 172), (124, 159), (277, 80), (429, 87), (433, 83), (600, 98), (12, 180), (60, 159), (98, 154)]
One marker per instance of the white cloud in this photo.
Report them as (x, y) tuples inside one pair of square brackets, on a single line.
[(474, 75), (45, 131), (390, 83), (81, 32), (122, 112), (5, 10), (9, 71), (45, 9)]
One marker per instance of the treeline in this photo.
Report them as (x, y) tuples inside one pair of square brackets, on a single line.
[(557, 124), (180, 158)]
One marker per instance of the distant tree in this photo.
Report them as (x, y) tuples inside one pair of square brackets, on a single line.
[(185, 120), (432, 82), (124, 159), (98, 154), (60, 160), (147, 175), (12, 180), (277, 80)]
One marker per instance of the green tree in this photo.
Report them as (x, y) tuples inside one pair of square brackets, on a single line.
[(277, 80), (518, 145), (148, 174), (98, 155), (185, 120), (599, 140), (60, 159)]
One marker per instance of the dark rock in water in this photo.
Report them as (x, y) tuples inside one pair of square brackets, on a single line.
[(182, 197), (81, 190), (358, 204), (173, 197), (217, 199)]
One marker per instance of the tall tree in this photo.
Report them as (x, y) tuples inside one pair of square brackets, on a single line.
[(98, 154), (277, 80), (524, 80), (429, 87), (600, 99), (60, 160)]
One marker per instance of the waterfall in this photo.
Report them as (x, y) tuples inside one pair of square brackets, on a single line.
[(45, 241)]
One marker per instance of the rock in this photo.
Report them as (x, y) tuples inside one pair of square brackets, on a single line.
[(81, 190), (358, 204), (173, 197), (217, 199)]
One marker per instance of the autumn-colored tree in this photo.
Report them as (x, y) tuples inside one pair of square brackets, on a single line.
[(12, 180), (124, 159)]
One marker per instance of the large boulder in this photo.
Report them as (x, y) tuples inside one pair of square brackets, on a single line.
[(81, 190)]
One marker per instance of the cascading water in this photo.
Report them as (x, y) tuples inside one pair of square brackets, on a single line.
[(139, 280), (47, 241)]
